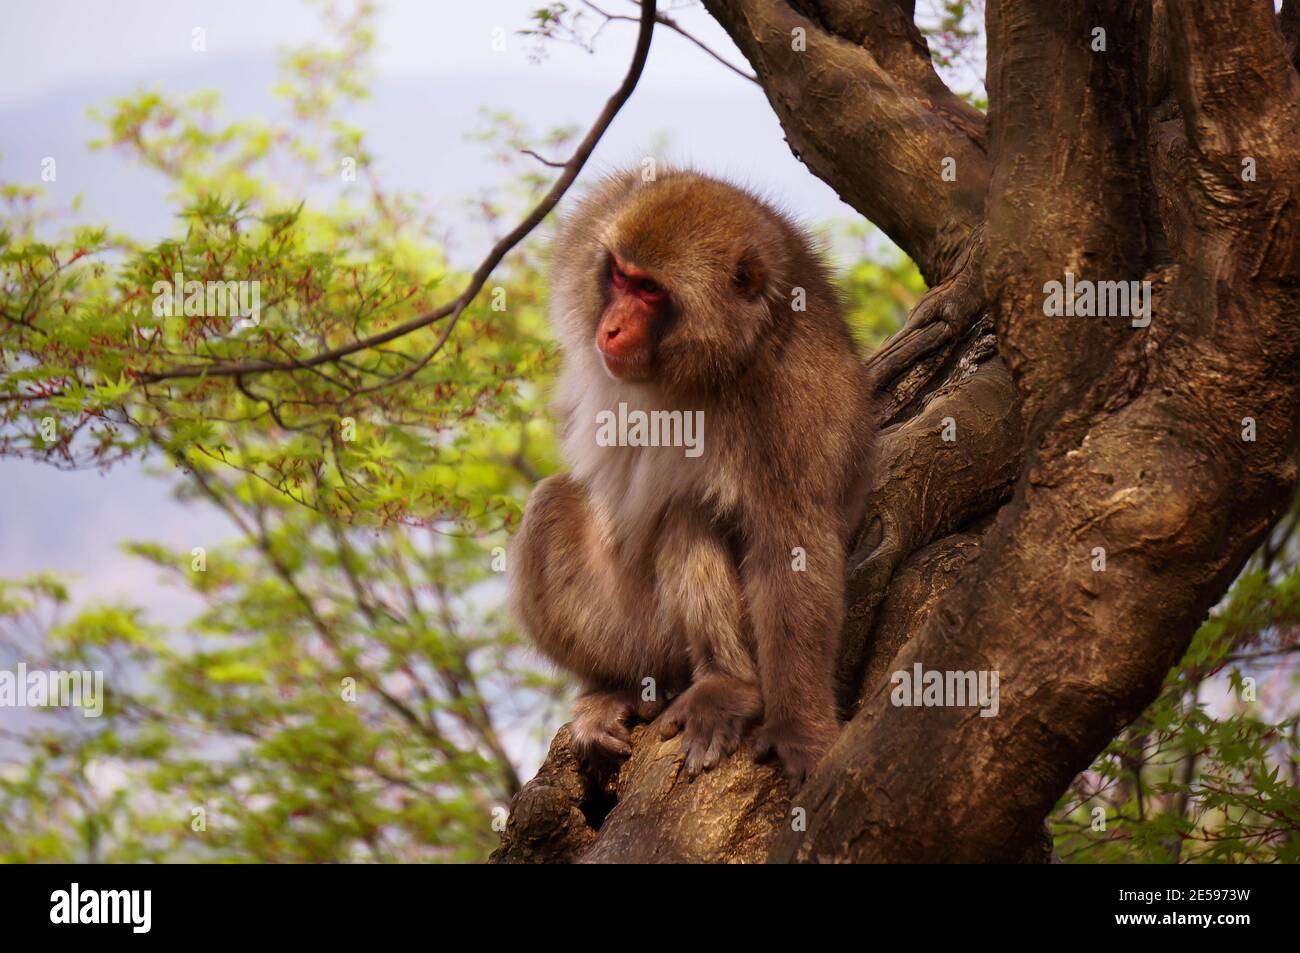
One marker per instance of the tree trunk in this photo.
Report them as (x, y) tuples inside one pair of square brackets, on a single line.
[(1172, 156)]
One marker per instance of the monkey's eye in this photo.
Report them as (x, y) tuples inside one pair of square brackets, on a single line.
[(616, 276), (650, 289)]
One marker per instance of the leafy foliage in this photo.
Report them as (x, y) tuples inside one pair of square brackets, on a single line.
[(349, 689), (1211, 771)]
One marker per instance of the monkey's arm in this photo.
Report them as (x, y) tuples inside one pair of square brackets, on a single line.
[(698, 596), (697, 590)]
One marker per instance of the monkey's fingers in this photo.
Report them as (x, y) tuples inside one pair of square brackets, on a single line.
[(614, 745), (707, 744), (674, 720), (713, 755), (670, 727), (695, 763), (602, 754), (795, 757), (701, 755), (797, 763)]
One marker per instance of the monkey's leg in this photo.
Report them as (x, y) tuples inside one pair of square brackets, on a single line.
[(590, 615), (797, 614), (698, 591)]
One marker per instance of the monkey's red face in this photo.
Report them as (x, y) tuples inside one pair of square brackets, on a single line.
[(631, 322)]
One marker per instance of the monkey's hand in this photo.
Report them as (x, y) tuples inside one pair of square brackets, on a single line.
[(797, 745), (713, 713)]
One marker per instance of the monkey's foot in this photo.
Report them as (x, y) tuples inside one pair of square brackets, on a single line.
[(713, 713), (797, 746), (601, 730)]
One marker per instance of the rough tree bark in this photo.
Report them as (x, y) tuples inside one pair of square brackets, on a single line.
[(1073, 433)]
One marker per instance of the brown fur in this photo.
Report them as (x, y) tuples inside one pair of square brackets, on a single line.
[(646, 563)]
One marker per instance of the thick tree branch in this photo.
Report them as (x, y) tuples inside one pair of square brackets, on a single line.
[(547, 822), (1133, 469), (1234, 169), (1234, 82), (1079, 651), (1066, 109), (887, 30), (928, 487), (1289, 21), (878, 137)]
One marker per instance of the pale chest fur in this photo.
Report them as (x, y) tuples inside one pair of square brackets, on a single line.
[(631, 483)]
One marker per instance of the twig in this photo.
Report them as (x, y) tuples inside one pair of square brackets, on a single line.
[(678, 29), (542, 159)]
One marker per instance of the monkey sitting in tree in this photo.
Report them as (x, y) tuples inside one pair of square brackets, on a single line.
[(711, 581)]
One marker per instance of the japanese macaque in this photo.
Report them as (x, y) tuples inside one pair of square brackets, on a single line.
[(701, 568)]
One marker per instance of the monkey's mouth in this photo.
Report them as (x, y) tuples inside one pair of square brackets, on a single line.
[(632, 366)]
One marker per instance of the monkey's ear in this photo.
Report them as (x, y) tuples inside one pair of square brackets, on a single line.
[(749, 277)]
